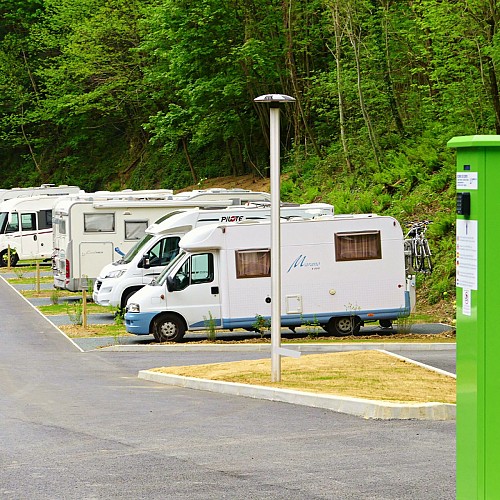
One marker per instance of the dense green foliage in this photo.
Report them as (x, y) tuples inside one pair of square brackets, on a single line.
[(159, 93)]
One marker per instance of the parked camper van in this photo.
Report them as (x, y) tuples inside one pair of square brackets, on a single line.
[(144, 261), (336, 271), (93, 231), (44, 189), (26, 227)]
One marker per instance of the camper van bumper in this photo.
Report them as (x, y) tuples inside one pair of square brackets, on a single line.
[(138, 323)]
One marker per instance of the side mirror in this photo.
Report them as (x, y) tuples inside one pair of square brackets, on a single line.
[(172, 284), (145, 262)]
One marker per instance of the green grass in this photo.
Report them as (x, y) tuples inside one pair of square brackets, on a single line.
[(29, 294), (77, 331), (31, 280), (56, 309)]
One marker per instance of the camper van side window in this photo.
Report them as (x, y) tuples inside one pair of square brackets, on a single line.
[(164, 251), (358, 246), (253, 263), (99, 223), (197, 269), (45, 219), (202, 268), (135, 230), (14, 223), (28, 222)]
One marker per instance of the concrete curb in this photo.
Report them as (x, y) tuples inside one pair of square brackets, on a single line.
[(366, 408), (310, 348)]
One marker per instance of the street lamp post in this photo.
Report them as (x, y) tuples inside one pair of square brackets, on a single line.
[(274, 138)]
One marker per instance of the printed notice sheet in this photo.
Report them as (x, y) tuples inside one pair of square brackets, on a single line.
[(467, 254)]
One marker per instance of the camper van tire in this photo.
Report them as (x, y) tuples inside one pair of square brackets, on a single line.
[(385, 323), (344, 325), (4, 257), (168, 328)]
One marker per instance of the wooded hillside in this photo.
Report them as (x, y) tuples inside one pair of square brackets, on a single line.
[(159, 93)]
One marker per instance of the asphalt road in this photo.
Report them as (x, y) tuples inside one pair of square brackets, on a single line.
[(82, 425)]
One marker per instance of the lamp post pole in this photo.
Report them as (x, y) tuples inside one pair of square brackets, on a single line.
[(274, 138)]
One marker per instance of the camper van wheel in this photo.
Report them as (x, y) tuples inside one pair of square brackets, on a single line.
[(340, 327), (169, 328), (13, 258), (385, 323)]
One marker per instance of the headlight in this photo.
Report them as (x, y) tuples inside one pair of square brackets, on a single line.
[(133, 308), (115, 274)]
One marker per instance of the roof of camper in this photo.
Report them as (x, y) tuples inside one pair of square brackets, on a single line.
[(214, 198), (45, 189)]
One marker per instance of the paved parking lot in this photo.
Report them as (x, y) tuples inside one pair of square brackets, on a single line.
[(82, 425)]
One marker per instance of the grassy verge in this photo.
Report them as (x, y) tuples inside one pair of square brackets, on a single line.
[(57, 294), (55, 309), (365, 374), (77, 331), (31, 280)]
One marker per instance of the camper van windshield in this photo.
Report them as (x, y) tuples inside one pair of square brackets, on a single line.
[(3, 221), (135, 249), (166, 270)]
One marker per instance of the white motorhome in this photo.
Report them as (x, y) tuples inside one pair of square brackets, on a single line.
[(45, 189), (26, 227), (144, 261), (338, 272), (95, 230)]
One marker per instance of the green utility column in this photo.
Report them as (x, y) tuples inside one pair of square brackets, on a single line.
[(478, 316)]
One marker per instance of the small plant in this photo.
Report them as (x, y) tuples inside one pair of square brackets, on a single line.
[(210, 326), (313, 328), (74, 312), (352, 309), (90, 289), (118, 315), (404, 324), (54, 296), (261, 324), (19, 272)]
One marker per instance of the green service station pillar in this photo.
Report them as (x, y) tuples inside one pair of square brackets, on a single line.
[(478, 326)]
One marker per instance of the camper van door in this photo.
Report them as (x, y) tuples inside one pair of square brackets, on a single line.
[(194, 290), (29, 234)]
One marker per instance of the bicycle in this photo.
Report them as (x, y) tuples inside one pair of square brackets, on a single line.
[(416, 248)]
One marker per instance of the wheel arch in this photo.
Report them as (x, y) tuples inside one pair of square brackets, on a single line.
[(127, 292), (164, 314)]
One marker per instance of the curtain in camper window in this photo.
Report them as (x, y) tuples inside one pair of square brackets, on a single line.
[(135, 230), (99, 223), (253, 263), (358, 246)]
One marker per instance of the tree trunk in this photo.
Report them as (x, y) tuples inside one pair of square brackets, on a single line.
[(188, 159), (300, 116), (338, 32), (354, 34)]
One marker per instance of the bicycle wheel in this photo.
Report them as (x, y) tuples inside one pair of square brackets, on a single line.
[(408, 250), (427, 261), (418, 260)]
